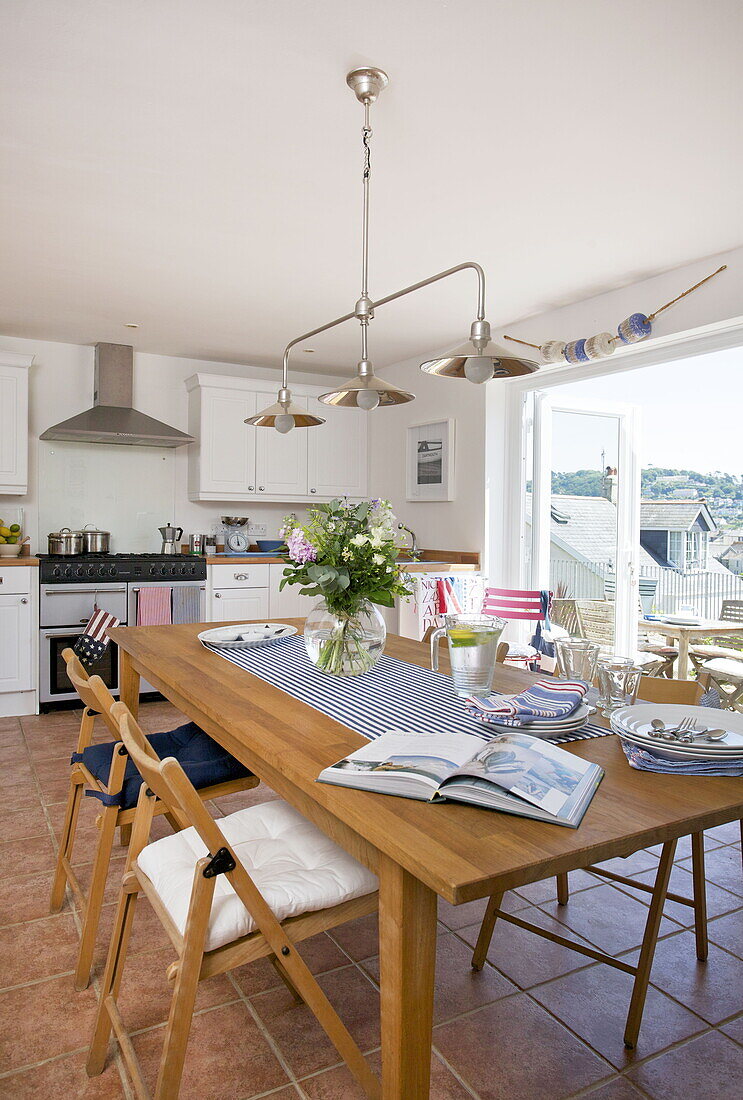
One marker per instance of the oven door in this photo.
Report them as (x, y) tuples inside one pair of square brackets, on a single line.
[(54, 686)]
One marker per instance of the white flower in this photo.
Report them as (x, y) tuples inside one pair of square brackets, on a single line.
[(359, 540), (378, 559)]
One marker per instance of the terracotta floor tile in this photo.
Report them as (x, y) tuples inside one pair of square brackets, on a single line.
[(19, 857), (617, 1089), (20, 774), (146, 993), (19, 824), (524, 957), (632, 865), (44, 1020), (710, 1066), (719, 901), (9, 725), (147, 933), (546, 890), (63, 1078), (513, 1050), (227, 1057), (460, 916), (37, 949), (302, 1041), (14, 755), (594, 1004), (319, 953), (84, 872), (339, 1083), (729, 833), (713, 989), (734, 1028), (55, 790), (25, 898), (727, 931), (606, 917), (724, 867), (21, 795), (54, 768), (459, 988), (359, 938)]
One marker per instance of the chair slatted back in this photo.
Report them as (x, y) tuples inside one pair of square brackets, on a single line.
[(596, 621), (732, 611), (99, 700), (513, 603), (658, 689)]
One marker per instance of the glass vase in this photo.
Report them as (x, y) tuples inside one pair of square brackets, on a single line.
[(344, 643)]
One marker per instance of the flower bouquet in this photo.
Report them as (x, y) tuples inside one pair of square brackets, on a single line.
[(346, 554)]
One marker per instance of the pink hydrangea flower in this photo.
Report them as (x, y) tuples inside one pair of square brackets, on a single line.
[(300, 548)]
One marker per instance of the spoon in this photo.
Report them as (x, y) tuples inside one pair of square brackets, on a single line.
[(660, 731), (714, 735)]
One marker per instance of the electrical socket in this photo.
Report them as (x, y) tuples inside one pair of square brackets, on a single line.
[(258, 529)]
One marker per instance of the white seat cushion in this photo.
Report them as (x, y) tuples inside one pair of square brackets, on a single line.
[(518, 651), (724, 669), (296, 868)]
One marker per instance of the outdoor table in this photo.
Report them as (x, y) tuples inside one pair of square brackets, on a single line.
[(686, 634), (418, 850)]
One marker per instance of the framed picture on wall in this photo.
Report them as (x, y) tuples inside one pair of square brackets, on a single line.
[(430, 461)]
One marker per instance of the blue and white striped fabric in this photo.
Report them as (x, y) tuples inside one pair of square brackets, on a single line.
[(393, 695), (545, 699)]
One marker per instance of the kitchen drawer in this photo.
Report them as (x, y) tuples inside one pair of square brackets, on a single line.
[(17, 579), (239, 576)]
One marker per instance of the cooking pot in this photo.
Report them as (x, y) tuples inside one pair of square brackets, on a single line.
[(65, 542), (95, 542)]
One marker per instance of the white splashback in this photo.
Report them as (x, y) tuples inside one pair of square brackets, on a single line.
[(128, 491)]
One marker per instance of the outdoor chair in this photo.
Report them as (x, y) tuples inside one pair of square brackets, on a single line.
[(596, 624), (724, 662), (252, 885), (104, 771), (518, 605)]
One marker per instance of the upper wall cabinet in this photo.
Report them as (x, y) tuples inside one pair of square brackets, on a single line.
[(14, 423), (233, 461)]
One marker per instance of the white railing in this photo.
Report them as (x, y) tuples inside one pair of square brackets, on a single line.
[(595, 581)]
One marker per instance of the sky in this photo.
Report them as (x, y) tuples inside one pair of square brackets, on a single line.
[(691, 416)]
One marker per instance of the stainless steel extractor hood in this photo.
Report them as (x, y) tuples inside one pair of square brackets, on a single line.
[(112, 418)]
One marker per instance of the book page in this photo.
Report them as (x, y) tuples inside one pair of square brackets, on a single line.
[(427, 756)]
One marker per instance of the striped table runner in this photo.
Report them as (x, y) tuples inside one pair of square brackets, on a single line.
[(393, 695)]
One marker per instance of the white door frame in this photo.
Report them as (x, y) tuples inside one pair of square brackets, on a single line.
[(507, 430)]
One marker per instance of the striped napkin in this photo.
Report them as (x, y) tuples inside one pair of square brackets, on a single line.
[(646, 761), (545, 699)]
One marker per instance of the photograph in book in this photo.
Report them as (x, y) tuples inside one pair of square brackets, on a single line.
[(512, 772)]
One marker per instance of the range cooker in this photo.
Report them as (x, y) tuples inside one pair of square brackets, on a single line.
[(70, 589)]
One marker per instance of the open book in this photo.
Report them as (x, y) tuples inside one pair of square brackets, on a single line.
[(512, 772)]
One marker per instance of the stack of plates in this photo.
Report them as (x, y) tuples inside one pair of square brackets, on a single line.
[(246, 636), (683, 620), (539, 727), (633, 724)]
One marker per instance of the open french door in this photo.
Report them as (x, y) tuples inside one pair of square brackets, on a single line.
[(585, 544)]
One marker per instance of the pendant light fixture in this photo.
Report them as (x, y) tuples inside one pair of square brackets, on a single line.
[(478, 360), (365, 390)]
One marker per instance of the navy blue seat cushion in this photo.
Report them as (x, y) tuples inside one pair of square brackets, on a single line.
[(202, 759)]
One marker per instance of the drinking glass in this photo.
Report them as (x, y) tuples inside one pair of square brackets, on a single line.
[(576, 658), (473, 647), (619, 680)]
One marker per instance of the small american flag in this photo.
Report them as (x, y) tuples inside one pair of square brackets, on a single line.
[(91, 645)]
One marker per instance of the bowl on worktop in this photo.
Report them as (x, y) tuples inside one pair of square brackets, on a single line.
[(270, 546)]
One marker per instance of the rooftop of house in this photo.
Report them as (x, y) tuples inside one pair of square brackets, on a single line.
[(675, 515)]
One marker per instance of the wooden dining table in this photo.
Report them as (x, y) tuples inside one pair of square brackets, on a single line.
[(684, 634), (419, 851)]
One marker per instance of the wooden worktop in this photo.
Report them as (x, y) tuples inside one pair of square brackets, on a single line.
[(451, 561), (18, 561)]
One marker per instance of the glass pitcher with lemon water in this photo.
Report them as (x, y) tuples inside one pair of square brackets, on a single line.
[(473, 647)]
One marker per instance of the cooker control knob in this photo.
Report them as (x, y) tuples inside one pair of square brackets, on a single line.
[(79, 570), (56, 571), (112, 570)]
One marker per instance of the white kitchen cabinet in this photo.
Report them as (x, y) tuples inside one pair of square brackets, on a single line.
[(241, 604), (234, 461), (287, 603), (14, 415), (280, 460), (18, 640), (337, 453)]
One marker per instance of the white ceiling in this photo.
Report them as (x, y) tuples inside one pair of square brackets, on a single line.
[(194, 165)]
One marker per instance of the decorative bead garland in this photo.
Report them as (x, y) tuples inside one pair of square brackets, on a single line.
[(631, 330)]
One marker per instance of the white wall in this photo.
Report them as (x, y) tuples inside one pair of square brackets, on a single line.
[(442, 525), (61, 384)]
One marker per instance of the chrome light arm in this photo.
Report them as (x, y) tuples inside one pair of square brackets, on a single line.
[(480, 325)]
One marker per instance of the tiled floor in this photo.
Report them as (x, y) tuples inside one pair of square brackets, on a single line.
[(538, 1022)]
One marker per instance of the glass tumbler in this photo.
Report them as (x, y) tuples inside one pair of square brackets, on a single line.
[(619, 680), (576, 658)]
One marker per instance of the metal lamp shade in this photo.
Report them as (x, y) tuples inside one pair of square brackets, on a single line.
[(267, 418), (347, 394), (453, 365)]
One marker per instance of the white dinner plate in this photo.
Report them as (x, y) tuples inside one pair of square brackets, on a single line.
[(540, 727), (682, 620), (635, 721), (666, 750), (246, 635)]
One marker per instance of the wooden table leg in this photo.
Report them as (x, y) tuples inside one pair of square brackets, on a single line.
[(407, 948), (682, 666), (128, 683)]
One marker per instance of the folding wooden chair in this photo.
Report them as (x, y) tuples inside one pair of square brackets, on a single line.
[(516, 604), (106, 772), (305, 885)]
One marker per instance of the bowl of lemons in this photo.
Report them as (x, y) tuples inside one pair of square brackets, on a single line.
[(11, 540)]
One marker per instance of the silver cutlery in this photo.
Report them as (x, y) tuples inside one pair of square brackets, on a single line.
[(686, 732)]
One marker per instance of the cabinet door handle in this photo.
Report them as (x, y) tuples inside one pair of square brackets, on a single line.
[(24, 599), (251, 488), (241, 576), (261, 488), (313, 490), (217, 595)]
